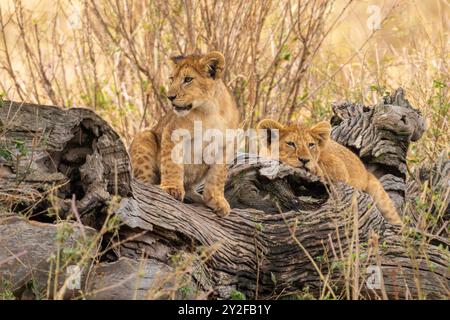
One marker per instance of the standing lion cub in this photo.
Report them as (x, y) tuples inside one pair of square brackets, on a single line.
[(314, 150), (197, 94)]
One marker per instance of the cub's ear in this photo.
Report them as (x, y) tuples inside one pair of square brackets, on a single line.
[(269, 125), (213, 64), (321, 132)]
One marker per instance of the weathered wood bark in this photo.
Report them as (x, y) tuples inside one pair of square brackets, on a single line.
[(46, 146), (436, 178), (288, 230), (28, 253), (380, 136), (261, 253), (127, 279)]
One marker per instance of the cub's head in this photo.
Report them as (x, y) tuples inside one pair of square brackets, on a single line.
[(193, 81), (299, 146)]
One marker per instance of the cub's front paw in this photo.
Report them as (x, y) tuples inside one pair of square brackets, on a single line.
[(219, 205), (175, 191)]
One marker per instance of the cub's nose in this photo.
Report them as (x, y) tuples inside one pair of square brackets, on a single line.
[(171, 98), (304, 161)]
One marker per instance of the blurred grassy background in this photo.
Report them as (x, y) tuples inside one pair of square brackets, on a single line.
[(288, 59)]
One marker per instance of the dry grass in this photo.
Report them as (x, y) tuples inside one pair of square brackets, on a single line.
[(286, 59)]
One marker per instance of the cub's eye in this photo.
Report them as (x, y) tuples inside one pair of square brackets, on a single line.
[(290, 144), (171, 79), (188, 79), (311, 145)]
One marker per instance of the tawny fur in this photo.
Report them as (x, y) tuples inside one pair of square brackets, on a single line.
[(314, 150), (213, 105)]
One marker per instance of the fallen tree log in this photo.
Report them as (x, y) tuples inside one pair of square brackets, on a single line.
[(34, 254), (289, 233), (127, 279), (263, 254), (48, 150), (380, 136)]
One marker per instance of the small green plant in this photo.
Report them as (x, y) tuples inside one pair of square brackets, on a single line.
[(186, 291), (237, 295), (7, 295), (259, 227), (5, 153), (21, 147)]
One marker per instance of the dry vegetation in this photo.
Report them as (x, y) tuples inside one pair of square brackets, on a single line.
[(288, 60)]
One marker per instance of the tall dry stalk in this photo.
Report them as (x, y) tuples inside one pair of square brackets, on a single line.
[(112, 55)]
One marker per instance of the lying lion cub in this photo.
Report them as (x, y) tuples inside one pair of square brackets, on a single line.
[(198, 97), (314, 150)]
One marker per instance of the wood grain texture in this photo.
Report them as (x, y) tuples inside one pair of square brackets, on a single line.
[(131, 279), (380, 135), (287, 229), (47, 146), (253, 246), (28, 251)]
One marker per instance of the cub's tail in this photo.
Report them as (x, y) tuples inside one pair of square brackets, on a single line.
[(382, 200)]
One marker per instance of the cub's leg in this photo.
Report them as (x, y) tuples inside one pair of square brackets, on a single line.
[(213, 194), (172, 173), (332, 170), (144, 151)]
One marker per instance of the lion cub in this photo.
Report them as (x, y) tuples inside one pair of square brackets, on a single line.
[(314, 150), (197, 94)]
